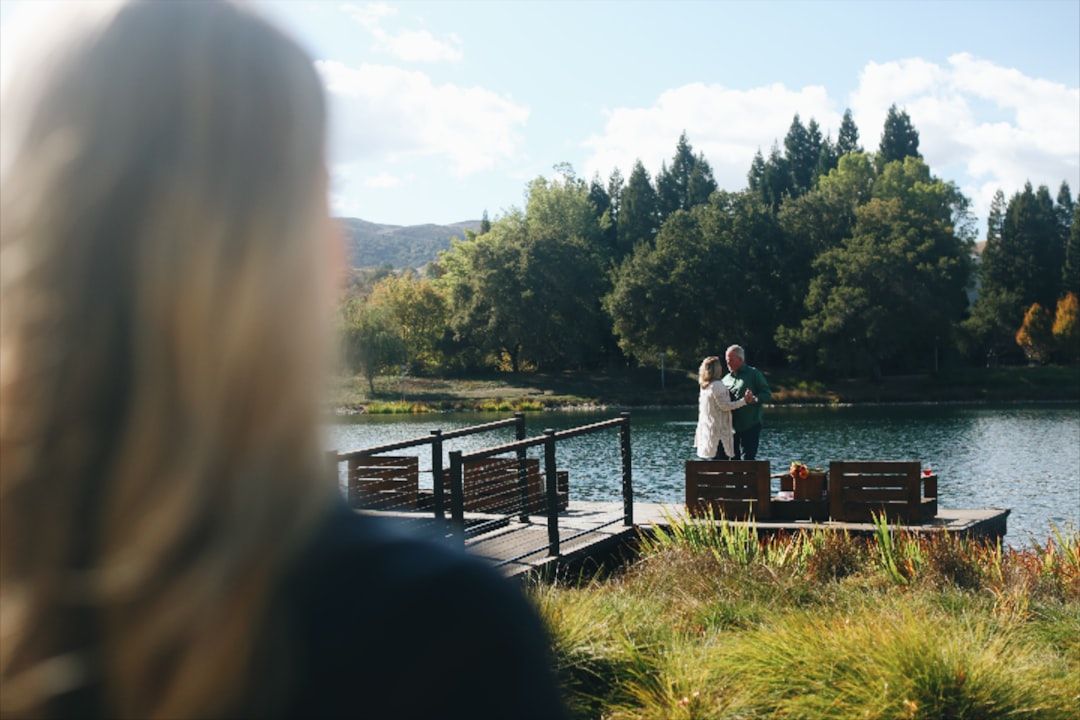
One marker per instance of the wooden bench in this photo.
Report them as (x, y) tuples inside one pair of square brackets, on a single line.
[(859, 489), (384, 482), (732, 489), (491, 485)]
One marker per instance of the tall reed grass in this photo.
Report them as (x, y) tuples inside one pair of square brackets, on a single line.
[(712, 622)]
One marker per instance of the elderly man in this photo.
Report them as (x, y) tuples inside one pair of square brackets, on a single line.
[(746, 420)]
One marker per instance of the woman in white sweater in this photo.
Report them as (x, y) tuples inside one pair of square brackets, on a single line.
[(714, 411)]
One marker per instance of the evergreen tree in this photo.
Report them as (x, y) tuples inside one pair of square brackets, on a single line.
[(1070, 277), (687, 182), (637, 213), (1064, 209), (755, 179), (847, 141), (801, 155), (616, 185), (777, 180), (485, 224), (828, 158), (605, 215), (898, 139), (702, 183)]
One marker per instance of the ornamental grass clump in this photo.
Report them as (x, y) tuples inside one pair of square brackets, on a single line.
[(823, 625)]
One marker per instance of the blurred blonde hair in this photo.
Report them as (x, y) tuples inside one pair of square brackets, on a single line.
[(163, 280), (711, 369)]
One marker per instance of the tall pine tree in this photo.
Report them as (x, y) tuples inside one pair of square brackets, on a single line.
[(898, 139), (638, 211), (847, 141)]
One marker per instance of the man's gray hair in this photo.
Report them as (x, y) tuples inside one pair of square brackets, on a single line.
[(737, 349)]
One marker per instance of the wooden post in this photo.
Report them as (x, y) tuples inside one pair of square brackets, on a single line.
[(438, 477), (627, 482), (552, 493), (457, 495)]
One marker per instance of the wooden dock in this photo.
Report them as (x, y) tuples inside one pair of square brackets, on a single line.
[(591, 532)]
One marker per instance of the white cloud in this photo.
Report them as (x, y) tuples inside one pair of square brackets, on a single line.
[(382, 180), (727, 125), (992, 126), (407, 45), (383, 115), (980, 125)]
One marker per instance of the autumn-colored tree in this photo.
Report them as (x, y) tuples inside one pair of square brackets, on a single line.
[(1067, 328), (1036, 336)]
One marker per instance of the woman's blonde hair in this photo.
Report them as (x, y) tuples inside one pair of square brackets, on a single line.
[(711, 369), (163, 236)]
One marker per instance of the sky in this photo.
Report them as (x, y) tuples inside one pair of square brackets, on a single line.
[(443, 110)]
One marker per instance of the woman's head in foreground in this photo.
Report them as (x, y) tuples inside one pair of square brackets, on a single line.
[(165, 266)]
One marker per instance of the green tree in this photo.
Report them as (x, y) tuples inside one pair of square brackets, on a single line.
[(801, 151), (819, 221), (663, 293), (1031, 254), (881, 298), (370, 339), (687, 182), (1064, 210), (1070, 278), (637, 222), (482, 281), (420, 313), (898, 138), (777, 183), (989, 330), (708, 281), (847, 140), (526, 294), (485, 224)]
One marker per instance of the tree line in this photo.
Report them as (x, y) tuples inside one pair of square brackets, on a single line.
[(832, 260)]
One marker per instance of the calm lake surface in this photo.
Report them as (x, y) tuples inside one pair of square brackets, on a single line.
[(1026, 458)]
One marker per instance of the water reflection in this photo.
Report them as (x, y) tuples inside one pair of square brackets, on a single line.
[(1019, 457)]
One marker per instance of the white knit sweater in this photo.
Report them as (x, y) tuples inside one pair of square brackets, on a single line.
[(714, 420)]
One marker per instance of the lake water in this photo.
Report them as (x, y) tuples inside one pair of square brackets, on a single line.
[(1026, 458)]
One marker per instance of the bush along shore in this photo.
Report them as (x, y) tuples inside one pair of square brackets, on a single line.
[(710, 622), (506, 392)]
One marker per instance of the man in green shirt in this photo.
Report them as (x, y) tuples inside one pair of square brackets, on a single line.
[(746, 421)]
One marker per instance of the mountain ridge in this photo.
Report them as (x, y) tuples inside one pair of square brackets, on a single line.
[(373, 244)]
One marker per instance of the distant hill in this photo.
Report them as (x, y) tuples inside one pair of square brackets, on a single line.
[(401, 246)]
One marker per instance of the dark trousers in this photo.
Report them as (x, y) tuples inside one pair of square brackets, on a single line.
[(746, 445)]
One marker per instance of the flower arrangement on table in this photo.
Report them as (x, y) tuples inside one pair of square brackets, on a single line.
[(800, 474)]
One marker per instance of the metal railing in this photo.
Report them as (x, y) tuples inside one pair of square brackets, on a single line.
[(484, 490), (549, 442)]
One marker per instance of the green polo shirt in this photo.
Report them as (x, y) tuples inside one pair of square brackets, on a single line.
[(748, 378)]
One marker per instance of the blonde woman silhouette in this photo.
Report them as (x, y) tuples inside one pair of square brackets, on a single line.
[(171, 546)]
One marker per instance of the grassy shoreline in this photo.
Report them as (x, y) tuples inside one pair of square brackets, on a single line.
[(504, 392), (711, 623)]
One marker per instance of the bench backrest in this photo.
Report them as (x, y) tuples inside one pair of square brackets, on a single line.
[(859, 489), (733, 489), (384, 482)]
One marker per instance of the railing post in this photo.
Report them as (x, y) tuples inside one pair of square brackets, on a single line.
[(457, 496), (627, 481), (551, 479), (438, 477), (523, 468)]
